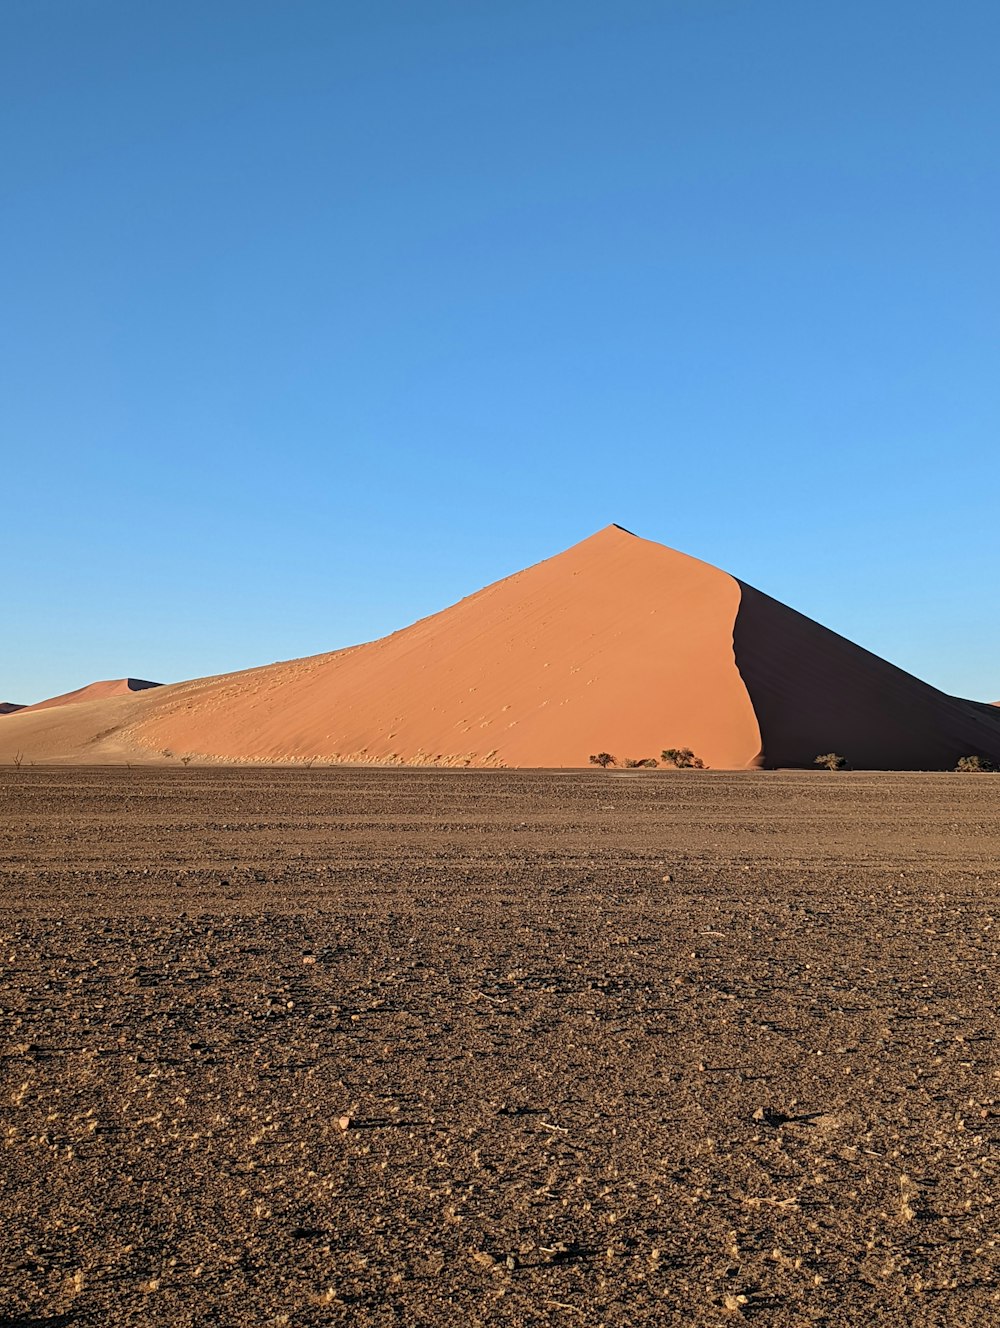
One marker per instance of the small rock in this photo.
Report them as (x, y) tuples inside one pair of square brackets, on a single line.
[(770, 1117), (309, 959), (345, 1122)]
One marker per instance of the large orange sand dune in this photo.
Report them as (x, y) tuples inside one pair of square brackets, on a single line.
[(619, 644)]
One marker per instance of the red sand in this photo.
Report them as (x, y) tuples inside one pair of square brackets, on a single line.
[(619, 644)]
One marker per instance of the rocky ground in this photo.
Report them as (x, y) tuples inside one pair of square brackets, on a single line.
[(498, 1048)]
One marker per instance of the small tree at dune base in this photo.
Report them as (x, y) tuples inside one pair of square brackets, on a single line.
[(969, 764), (831, 761), (603, 759), (681, 758), (643, 763)]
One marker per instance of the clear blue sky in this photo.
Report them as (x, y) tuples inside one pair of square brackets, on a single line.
[(319, 315)]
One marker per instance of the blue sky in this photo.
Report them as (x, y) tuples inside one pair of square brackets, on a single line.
[(318, 316)]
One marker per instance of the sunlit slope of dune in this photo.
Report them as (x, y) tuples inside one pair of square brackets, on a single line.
[(618, 644), (89, 733)]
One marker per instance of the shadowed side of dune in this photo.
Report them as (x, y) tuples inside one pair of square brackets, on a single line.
[(9, 707), (814, 691)]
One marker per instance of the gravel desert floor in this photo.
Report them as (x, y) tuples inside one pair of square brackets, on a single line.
[(413, 1047)]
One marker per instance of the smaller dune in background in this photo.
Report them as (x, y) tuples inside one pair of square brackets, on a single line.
[(94, 691)]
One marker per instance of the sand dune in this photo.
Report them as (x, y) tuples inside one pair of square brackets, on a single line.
[(9, 707), (94, 691), (618, 644)]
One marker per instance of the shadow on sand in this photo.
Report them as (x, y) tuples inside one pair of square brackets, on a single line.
[(814, 691)]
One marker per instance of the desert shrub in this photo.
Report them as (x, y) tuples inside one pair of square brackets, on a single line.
[(603, 759), (974, 763), (681, 758), (641, 763), (831, 761)]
